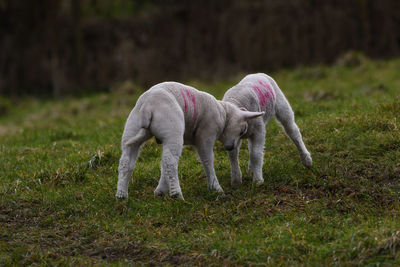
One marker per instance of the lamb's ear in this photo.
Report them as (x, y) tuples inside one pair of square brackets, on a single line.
[(248, 115), (243, 109)]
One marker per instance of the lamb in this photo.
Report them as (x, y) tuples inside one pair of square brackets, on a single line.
[(259, 92), (177, 114)]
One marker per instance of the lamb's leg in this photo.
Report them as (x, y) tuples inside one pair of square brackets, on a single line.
[(206, 155), (293, 132), (170, 157), (285, 116), (256, 155), (162, 187), (126, 165), (236, 174)]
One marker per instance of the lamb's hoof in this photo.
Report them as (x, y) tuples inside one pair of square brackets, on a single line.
[(177, 195), (222, 197), (159, 192), (307, 160), (121, 194), (217, 189), (258, 182)]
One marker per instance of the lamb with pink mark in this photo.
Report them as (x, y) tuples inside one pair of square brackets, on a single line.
[(260, 93), (177, 115)]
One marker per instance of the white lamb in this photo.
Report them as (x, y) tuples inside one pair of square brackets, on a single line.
[(178, 114), (259, 92)]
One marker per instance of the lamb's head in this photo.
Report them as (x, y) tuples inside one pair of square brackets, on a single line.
[(235, 125)]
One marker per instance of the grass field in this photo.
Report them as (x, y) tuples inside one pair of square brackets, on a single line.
[(58, 176)]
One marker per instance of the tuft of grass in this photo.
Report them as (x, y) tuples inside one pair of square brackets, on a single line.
[(59, 167)]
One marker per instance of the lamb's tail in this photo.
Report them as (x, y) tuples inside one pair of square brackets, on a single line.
[(136, 127), (140, 135)]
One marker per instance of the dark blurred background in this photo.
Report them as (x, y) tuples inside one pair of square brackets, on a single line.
[(60, 47)]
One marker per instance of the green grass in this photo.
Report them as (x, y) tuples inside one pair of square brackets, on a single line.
[(58, 171)]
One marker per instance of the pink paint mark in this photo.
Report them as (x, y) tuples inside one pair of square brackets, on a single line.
[(193, 99), (263, 96), (264, 92), (268, 87), (184, 100)]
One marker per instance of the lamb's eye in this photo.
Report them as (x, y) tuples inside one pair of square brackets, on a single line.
[(243, 131)]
